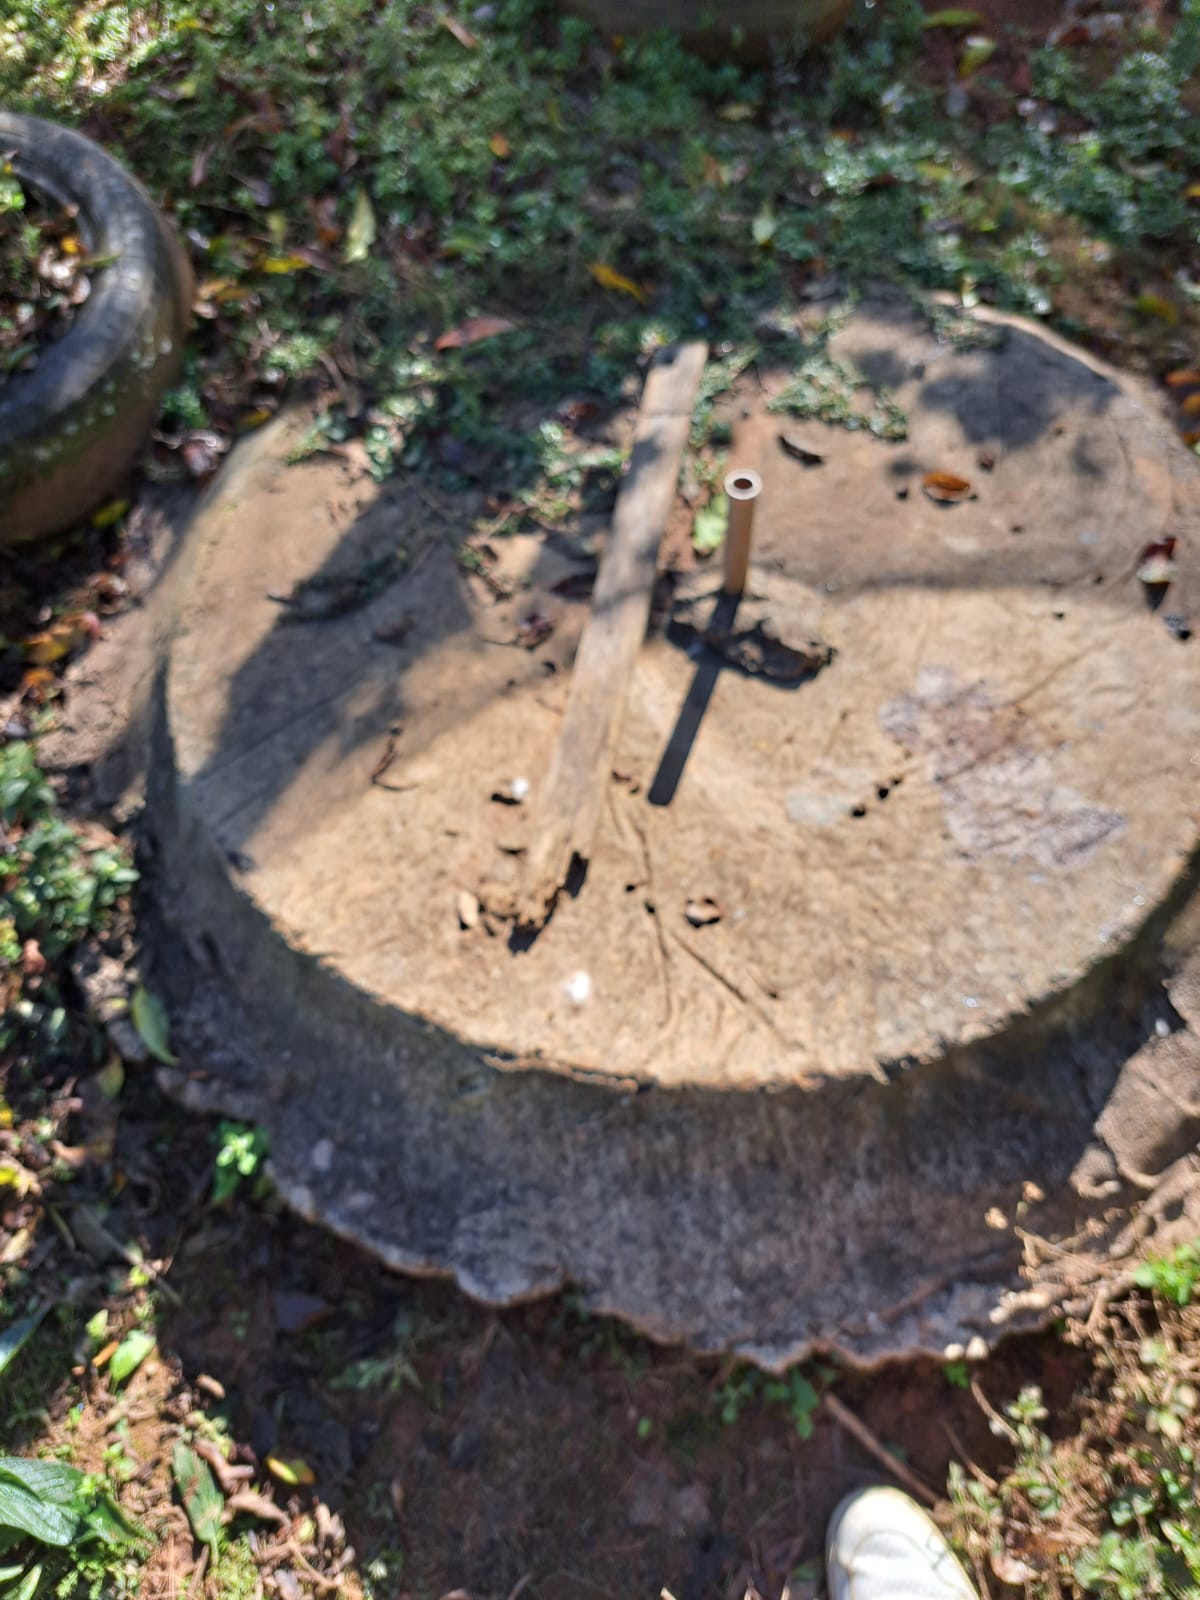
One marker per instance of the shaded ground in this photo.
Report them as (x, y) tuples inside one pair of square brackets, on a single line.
[(464, 1449)]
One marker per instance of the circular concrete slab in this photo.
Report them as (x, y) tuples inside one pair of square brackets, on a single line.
[(899, 843)]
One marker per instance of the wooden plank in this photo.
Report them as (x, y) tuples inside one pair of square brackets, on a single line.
[(571, 798)]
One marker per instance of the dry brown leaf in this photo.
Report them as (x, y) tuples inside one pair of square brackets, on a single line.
[(1183, 378), (499, 146), (464, 35), (473, 331), (609, 278), (946, 487), (1191, 406)]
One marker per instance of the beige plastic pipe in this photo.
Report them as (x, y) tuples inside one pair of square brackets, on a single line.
[(742, 489)]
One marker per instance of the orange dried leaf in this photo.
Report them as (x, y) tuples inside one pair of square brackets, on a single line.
[(290, 1472), (1191, 406), (472, 331), (499, 146), (102, 1357), (1183, 378), (609, 278), (1192, 192), (946, 487)]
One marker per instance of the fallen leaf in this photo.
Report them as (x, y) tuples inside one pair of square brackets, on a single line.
[(149, 1017), (795, 446), (703, 912), (473, 331), (200, 165), (708, 530), (946, 487), (737, 111), (106, 1352), (764, 227), (500, 147), (129, 1355), (293, 1473), (977, 49), (1011, 1569), (109, 513), (360, 234), (1183, 378), (110, 1079), (1156, 305), (1156, 564), (280, 265), (15, 1247), (63, 636), (464, 35), (249, 1503), (1191, 406), (609, 278), (202, 1500), (953, 17)]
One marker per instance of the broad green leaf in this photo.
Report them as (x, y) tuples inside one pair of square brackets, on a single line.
[(150, 1019), (360, 235), (202, 1500), (108, 1523), (40, 1519), (28, 1586), (52, 1481), (129, 1354), (708, 530), (18, 1334)]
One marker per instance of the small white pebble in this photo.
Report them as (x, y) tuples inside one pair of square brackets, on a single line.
[(321, 1155), (977, 1349), (1162, 1028), (579, 988), (519, 788)]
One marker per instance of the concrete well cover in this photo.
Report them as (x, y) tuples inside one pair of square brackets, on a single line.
[(880, 970)]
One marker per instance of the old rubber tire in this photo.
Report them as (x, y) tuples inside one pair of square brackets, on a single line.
[(746, 30), (71, 428)]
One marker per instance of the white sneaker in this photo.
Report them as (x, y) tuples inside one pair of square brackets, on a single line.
[(882, 1546)]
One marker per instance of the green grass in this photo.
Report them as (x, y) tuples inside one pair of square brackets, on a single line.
[(352, 181), (54, 892)]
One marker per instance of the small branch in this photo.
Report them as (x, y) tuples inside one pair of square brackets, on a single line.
[(842, 1415)]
